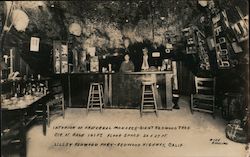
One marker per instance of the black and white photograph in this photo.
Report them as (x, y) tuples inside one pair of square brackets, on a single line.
[(125, 78)]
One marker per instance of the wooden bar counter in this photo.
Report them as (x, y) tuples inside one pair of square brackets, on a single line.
[(121, 90)]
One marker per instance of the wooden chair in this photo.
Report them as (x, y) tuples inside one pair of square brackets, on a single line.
[(55, 105), (204, 98)]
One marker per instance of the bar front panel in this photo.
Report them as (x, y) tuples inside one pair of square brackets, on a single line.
[(121, 90)]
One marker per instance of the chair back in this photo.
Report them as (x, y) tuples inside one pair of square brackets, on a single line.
[(205, 86), (55, 87)]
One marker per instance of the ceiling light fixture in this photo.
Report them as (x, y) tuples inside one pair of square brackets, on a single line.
[(203, 3)]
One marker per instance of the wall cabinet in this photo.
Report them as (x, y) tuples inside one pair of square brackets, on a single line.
[(190, 40), (196, 44), (220, 25)]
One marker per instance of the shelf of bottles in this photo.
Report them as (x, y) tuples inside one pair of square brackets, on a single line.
[(60, 57), (14, 90)]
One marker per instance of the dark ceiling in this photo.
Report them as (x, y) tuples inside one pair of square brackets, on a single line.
[(105, 23), (51, 19)]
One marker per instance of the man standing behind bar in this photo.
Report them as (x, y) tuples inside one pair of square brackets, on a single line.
[(145, 65), (175, 91), (173, 56), (127, 65), (125, 84)]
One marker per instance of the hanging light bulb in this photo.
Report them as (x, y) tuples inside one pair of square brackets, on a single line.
[(203, 3), (162, 18), (75, 29), (20, 20)]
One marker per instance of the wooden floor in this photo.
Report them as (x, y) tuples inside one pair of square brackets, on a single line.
[(183, 135)]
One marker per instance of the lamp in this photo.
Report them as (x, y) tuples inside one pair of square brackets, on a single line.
[(20, 20), (75, 29), (203, 3)]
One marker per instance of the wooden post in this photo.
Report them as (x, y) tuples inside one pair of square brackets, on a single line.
[(110, 89), (69, 91), (106, 89), (169, 104), (11, 61)]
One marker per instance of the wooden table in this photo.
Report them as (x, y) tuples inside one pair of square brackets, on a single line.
[(22, 106)]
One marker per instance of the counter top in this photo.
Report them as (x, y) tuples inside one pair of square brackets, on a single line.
[(149, 72), (127, 73), (86, 73)]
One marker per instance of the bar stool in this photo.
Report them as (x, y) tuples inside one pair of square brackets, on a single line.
[(148, 103), (95, 98)]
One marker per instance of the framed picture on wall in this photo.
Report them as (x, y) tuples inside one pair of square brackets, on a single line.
[(34, 44)]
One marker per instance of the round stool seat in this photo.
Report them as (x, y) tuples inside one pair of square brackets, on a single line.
[(148, 83), (96, 83)]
